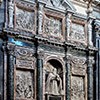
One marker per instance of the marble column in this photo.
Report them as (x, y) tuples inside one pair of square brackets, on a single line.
[(40, 76), (68, 77), (90, 78), (10, 78)]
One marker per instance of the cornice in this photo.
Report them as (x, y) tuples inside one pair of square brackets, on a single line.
[(12, 33), (47, 41), (86, 49)]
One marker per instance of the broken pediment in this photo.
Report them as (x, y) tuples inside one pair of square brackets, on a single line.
[(61, 5)]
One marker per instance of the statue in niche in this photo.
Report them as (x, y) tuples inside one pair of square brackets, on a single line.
[(53, 82)]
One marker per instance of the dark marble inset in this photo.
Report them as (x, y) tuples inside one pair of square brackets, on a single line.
[(55, 98)]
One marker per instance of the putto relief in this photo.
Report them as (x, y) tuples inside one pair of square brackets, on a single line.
[(77, 88), (77, 32), (24, 85), (52, 26), (24, 19)]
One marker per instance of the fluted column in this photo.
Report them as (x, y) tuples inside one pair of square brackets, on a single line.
[(10, 80), (68, 77), (90, 78), (40, 76)]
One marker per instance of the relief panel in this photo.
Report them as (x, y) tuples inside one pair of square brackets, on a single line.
[(52, 26), (77, 32), (77, 88), (78, 66), (25, 19), (24, 85), (23, 63)]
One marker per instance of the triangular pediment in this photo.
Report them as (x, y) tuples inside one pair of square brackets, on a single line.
[(60, 5)]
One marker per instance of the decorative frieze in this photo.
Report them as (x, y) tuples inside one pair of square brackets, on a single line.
[(25, 53)]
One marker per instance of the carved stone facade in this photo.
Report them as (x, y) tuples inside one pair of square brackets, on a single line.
[(48, 51)]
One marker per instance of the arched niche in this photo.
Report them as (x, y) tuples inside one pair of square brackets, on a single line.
[(54, 78)]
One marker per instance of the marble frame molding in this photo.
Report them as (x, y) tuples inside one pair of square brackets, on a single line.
[(55, 15), (84, 24)]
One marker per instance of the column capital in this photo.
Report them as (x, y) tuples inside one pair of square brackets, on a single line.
[(11, 48), (40, 54), (68, 58), (91, 60)]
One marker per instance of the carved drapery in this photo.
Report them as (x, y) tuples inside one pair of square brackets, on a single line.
[(53, 80), (53, 77)]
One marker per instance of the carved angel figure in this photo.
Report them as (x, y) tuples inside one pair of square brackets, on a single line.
[(54, 82)]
